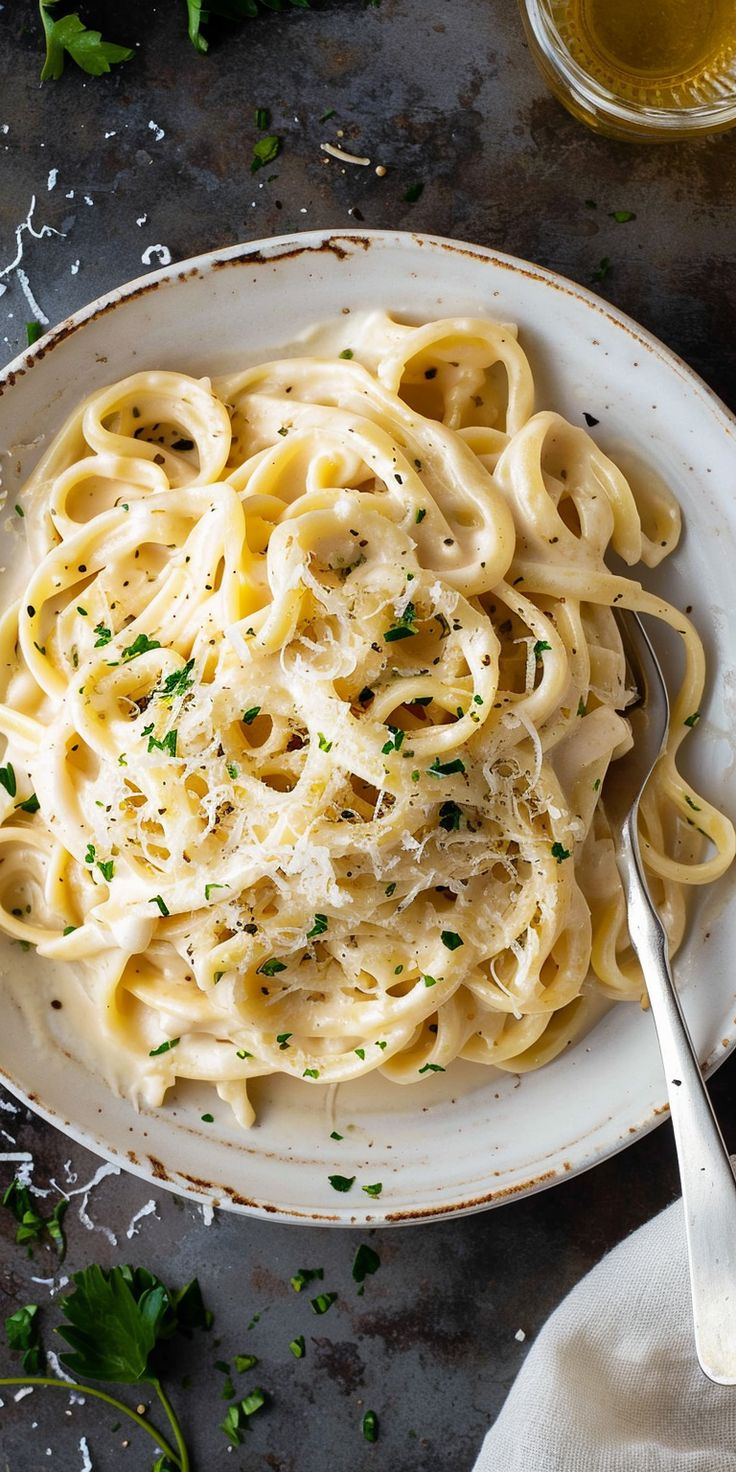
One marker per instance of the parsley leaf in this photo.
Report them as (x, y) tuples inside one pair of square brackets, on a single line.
[(319, 927), (366, 1261), (265, 151), (141, 645), (177, 683), (31, 1226), (559, 852), (104, 636), (304, 1276), (86, 47), (118, 1317), (341, 1183), (404, 628), (21, 1329), (7, 780), (451, 939)]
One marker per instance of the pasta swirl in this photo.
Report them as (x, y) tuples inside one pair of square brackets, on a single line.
[(310, 700)]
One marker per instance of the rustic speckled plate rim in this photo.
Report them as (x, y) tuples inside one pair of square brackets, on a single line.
[(343, 244)]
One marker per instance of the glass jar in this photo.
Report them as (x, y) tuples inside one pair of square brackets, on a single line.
[(622, 101)]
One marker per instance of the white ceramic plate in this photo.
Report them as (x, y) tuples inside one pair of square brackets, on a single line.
[(472, 1138)]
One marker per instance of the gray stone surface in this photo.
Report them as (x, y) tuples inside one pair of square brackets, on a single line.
[(443, 94)]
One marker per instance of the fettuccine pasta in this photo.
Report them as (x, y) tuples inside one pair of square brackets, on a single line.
[(310, 700)]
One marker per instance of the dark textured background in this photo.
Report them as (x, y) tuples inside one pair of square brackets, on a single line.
[(444, 94)]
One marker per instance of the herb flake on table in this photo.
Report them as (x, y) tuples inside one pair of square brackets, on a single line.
[(265, 151), (304, 1276), (370, 1426), (341, 1183), (365, 1262), (323, 1302), (31, 1225)]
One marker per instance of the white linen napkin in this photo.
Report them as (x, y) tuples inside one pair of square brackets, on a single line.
[(613, 1384)]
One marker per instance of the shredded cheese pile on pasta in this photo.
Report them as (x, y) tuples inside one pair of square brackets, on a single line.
[(310, 699)]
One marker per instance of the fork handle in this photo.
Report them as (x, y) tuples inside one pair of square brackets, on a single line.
[(708, 1182)]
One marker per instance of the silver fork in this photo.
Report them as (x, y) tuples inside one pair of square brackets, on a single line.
[(708, 1182)]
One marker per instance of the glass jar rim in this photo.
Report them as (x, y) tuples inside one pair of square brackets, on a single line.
[(598, 100)]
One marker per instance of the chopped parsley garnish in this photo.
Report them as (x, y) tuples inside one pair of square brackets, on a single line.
[(346, 353), (168, 742), (374, 1190), (89, 857), (450, 815), (244, 1362), (582, 709), (298, 1347), (414, 192), (34, 330), (31, 1226), (390, 889), (622, 217), (241, 1053), (329, 113), (264, 152), (236, 1420), (164, 1047), (157, 900), (335, 1136), (69, 929), (370, 1426), (104, 635), (207, 1118), (311, 1073), (559, 853), (429, 980), (106, 868), (421, 513), (282, 1038), (304, 1276), (7, 780), (382, 1045), (540, 648), (22, 1334), (451, 939), (262, 119), (323, 1302), (232, 771), (341, 1183), (141, 645), (360, 1053), (177, 683), (404, 628), (270, 967), (365, 1262), (603, 270), (596, 784), (431, 1068), (210, 887), (324, 744), (19, 511), (250, 715), (395, 741), (695, 807), (319, 927), (445, 769), (693, 719)]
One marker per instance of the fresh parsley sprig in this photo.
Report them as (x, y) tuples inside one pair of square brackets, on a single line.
[(68, 36), (199, 12), (116, 1321)]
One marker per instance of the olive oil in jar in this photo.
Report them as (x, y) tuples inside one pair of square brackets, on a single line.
[(654, 53)]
